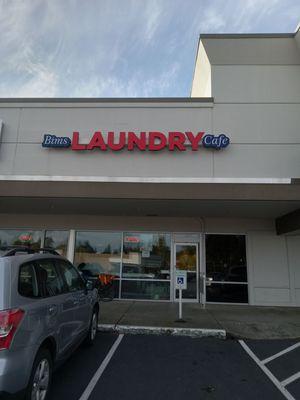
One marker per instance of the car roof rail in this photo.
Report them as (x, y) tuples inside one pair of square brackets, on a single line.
[(13, 250), (47, 250)]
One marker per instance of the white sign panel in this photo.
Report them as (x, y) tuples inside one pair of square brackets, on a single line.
[(180, 280)]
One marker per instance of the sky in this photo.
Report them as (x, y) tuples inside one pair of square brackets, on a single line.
[(119, 48)]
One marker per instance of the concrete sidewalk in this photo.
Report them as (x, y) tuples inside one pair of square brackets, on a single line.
[(246, 322)]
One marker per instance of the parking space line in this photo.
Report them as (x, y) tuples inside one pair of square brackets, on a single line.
[(291, 379), (281, 353), (90, 387), (269, 374)]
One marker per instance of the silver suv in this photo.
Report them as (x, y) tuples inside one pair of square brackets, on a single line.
[(46, 311)]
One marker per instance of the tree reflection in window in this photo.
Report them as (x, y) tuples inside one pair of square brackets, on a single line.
[(146, 256), (57, 240), (98, 252)]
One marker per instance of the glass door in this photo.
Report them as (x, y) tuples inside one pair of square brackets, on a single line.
[(186, 258)]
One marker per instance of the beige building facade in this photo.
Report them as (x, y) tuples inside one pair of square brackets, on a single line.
[(143, 188)]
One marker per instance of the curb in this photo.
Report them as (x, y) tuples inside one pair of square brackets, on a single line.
[(151, 330)]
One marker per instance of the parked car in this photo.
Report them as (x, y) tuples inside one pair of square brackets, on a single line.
[(46, 310)]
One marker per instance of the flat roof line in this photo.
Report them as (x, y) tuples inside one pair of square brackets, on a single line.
[(107, 100), (246, 35)]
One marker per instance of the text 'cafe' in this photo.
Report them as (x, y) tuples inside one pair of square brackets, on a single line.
[(142, 189)]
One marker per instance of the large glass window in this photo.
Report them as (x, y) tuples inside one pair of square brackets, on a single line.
[(146, 290), (146, 256), (98, 252), (226, 269), (57, 240), (20, 237)]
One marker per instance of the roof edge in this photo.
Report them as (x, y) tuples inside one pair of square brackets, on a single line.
[(246, 35), (107, 100)]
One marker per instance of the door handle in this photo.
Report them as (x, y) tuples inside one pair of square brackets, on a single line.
[(52, 310)]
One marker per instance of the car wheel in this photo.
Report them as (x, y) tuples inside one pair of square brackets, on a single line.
[(40, 378), (92, 329)]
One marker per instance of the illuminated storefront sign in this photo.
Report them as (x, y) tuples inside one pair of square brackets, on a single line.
[(151, 141)]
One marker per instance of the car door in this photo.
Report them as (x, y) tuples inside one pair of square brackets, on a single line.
[(80, 296), (59, 302)]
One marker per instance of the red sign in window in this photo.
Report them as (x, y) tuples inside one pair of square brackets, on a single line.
[(131, 239), (25, 238)]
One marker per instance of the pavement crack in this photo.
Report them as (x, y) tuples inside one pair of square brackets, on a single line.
[(125, 312)]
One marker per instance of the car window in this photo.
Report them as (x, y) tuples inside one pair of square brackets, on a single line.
[(28, 285), (51, 282), (71, 276)]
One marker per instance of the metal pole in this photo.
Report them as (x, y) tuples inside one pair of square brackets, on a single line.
[(180, 304)]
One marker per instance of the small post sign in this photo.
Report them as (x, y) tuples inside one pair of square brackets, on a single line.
[(180, 284), (180, 280)]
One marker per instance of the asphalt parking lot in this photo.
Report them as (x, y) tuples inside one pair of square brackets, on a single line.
[(155, 367)]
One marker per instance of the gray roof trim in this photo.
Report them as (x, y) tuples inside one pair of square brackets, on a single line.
[(109, 100), (246, 35)]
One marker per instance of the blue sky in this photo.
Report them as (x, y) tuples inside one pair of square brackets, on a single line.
[(119, 48)]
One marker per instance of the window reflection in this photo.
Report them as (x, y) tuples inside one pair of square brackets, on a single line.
[(57, 240), (228, 293), (186, 260), (20, 237), (146, 255), (98, 252), (226, 263), (147, 290), (186, 257)]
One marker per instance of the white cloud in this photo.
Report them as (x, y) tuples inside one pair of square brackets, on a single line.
[(250, 12), (153, 13), (41, 83), (133, 87), (27, 75)]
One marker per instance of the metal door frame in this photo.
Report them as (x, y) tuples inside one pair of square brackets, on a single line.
[(197, 245)]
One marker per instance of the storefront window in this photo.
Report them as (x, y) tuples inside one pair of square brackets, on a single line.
[(98, 252), (145, 290), (226, 269), (20, 237), (146, 256), (57, 240)]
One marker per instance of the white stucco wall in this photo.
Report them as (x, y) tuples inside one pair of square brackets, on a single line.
[(274, 269)]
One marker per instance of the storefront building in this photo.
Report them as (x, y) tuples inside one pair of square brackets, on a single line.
[(141, 188)]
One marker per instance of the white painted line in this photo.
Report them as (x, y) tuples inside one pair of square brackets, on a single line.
[(291, 379), (281, 353), (269, 374), (90, 387)]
